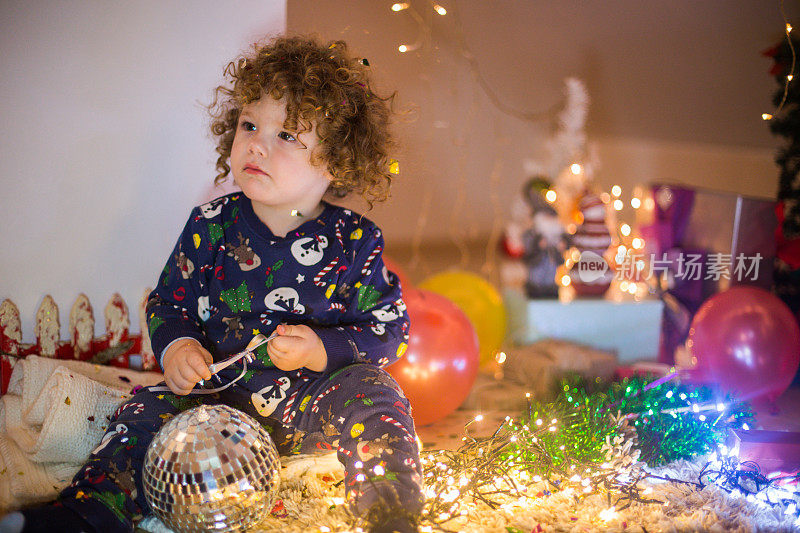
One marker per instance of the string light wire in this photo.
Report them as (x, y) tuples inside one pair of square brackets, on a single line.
[(787, 28), (472, 62)]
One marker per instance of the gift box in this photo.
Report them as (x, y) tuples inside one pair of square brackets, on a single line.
[(630, 329), (728, 239), (541, 365), (717, 223), (772, 451)]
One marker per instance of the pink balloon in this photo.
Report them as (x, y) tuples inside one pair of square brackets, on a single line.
[(747, 341), (441, 362)]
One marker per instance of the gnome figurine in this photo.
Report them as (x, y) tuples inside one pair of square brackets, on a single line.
[(591, 275), (544, 242)]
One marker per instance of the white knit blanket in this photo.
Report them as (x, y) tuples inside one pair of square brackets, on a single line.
[(54, 413)]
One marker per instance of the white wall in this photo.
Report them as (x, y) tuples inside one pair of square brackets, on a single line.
[(105, 147)]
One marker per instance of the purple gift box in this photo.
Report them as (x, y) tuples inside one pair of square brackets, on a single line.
[(731, 236), (772, 451)]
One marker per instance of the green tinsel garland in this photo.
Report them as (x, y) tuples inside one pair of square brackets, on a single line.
[(672, 420)]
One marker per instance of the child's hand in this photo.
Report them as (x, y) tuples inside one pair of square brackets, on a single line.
[(297, 347), (185, 363)]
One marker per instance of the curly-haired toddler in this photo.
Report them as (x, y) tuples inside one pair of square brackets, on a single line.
[(295, 121)]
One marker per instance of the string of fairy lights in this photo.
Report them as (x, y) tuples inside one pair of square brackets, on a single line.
[(424, 38), (789, 77), (604, 442), (424, 22)]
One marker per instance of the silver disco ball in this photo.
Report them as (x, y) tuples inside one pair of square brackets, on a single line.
[(211, 468)]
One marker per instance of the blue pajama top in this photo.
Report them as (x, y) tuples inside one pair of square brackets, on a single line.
[(229, 278)]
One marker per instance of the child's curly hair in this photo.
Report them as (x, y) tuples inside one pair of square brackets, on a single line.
[(322, 85)]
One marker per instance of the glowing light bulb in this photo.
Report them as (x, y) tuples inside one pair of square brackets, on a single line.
[(638, 243), (788, 28), (399, 6), (500, 357), (439, 9), (550, 195), (618, 204), (565, 281), (575, 168), (616, 190), (608, 514), (636, 203), (403, 48), (625, 229), (766, 116), (379, 471), (478, 418), (789, 77)]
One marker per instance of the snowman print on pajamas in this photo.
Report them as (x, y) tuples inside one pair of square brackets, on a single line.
[(203, 308), (267, 399), (390, 312), (379, 329), (309, 250), (213, 208), (284, 299), (119, 429)]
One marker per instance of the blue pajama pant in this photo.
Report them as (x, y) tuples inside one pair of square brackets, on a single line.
[(359, 411)]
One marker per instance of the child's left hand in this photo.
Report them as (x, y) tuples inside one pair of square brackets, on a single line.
[(297, 346)]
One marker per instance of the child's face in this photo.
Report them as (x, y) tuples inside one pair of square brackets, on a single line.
[(273, 166)]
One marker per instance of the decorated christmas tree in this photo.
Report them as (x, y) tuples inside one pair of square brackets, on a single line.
[(786, 123)]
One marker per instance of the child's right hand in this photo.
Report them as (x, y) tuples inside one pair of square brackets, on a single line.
[(185, 363)]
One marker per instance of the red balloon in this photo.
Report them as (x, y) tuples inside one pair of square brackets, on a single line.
[(441, 362), (392, 265), (747, 341)]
